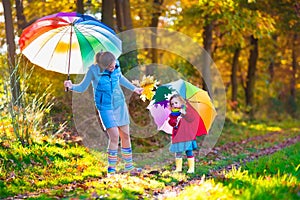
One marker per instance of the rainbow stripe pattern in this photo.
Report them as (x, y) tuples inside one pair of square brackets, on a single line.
[(127, 157), (112, 160), (67, 42)]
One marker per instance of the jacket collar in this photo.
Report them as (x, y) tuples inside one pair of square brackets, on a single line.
[(101, 71), (104, 72)]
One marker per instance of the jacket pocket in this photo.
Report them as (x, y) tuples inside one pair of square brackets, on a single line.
[(106, 99), (103, 101)]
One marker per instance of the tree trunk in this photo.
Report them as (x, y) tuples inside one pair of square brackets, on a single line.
[(250, 82), (11, 48), (294, 71), (207, 43), (107, 13), (271, 70), (124, 22), (20, 16), (9, 30), (120, 15), (272, 62), (234, 70), (127, 15), (79, 6), (154, 23), (294, 67)]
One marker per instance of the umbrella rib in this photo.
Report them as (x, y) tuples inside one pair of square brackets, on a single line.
[(70, 48), (87, 47), (46, 41), (42, 46), (100, 42), (91, 35), (57, 45), (84, 37), (87, 32)]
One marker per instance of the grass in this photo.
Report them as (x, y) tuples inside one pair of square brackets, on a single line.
[(51, 168), (234, 145), (237, 131), (282, 162), (26, 169), (265, 178)]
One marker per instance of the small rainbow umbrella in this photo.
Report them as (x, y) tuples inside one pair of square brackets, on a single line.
[(194, 96), (67, 42)]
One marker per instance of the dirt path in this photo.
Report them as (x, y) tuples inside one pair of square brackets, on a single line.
[(261, 152)]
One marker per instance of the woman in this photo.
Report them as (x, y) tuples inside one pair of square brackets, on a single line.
[(106, 78)]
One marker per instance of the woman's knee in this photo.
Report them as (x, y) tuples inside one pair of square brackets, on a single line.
[(124, 133), (113, 134), (125, 136)]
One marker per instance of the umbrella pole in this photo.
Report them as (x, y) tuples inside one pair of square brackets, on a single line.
[(69, 61)]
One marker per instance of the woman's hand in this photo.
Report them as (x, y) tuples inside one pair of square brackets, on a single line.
[(68, 84), (138, 90)]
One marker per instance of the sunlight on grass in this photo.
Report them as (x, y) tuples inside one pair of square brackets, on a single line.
[(205, 190), (262, 187), (284, 161), (238, 131), (270, 177), (239, 184), (295, 129), (123, 186), (261, 127), (43, 166)]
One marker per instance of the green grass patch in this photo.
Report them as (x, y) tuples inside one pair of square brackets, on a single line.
[(286, 161), (270, 177), (237, 131), (26, 169)]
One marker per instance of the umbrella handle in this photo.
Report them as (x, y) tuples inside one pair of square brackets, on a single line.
[(67, 88), (69, 61)]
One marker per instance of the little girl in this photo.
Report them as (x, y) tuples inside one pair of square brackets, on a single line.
[(186, 126)]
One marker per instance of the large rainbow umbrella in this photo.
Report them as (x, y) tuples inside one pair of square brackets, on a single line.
[(196, 97), (67, 42)]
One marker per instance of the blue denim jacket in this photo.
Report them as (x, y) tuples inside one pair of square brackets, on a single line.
[(106, 85)]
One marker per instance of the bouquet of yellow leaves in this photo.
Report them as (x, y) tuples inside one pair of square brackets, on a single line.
[(148, 83)]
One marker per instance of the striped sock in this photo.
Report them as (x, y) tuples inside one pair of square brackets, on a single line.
[(127, 157), (112, 160)]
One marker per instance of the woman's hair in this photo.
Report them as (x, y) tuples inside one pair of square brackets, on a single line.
[(179, 97), (104, 59)]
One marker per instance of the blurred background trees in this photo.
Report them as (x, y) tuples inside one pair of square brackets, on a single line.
[(254, 44)]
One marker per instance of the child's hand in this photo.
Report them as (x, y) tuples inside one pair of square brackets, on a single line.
[(68, 84), (138, 90), (183, 111)]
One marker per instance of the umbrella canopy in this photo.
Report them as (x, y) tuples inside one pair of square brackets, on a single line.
[(195, 97), (67, 42)]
